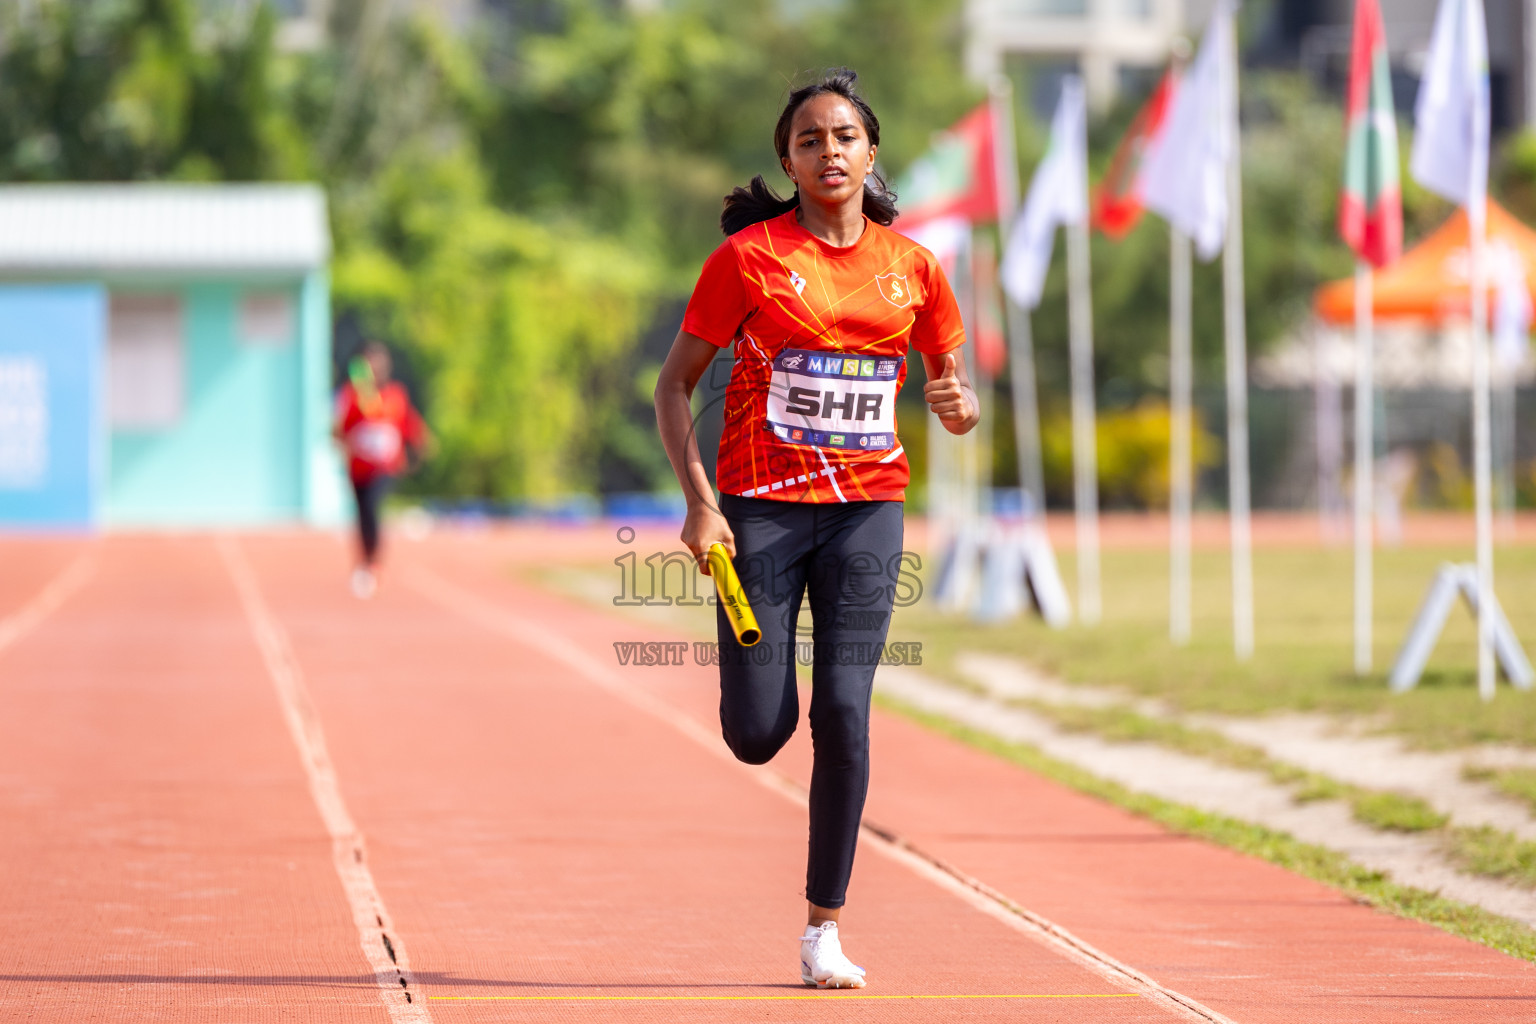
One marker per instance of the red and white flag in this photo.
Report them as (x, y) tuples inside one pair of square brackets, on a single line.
[(1371, 208), (951, 187), (955, 178), (1117, 201)]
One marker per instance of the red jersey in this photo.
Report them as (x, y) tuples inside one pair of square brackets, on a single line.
[(376, 433), (821, 336)]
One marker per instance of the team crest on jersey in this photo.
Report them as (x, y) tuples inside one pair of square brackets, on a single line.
[(894, 288), (798, 281)]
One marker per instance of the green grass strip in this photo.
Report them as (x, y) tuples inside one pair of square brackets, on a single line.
[(1486, 850), (1120, 724), (1519, 783), (1382, 809), (1315, 862), (1394, 812)]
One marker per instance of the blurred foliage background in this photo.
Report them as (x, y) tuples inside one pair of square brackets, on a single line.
[(520, 208)]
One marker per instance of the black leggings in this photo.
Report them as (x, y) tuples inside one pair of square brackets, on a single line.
[(847, 557), (370, 495)]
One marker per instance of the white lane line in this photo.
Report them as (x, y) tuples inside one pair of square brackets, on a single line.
[(47, 601), (380, 941), (973, 892)]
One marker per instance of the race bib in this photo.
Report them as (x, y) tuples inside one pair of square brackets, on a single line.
[(834, 400), (375, 443)]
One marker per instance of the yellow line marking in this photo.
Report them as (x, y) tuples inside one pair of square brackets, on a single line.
[(673, 999), (551, 642)]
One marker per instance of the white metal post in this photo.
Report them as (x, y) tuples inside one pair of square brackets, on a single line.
[(1180, 456), (1482, 457), (1365, 452), (1026, 410), (941, 492), (1237, 388), (1505, 394), (1021, 349), (1085, 462), (984, 292)]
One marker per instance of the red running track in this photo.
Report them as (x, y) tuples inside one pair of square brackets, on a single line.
[(551, 837)]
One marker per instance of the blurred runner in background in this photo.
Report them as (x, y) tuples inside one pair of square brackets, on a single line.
[(375, 422)]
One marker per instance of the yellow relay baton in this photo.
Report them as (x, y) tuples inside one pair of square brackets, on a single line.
[(732, 598)]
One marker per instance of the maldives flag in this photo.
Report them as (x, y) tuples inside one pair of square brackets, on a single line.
[(957, 178), (1117, 201), (1371, 208)]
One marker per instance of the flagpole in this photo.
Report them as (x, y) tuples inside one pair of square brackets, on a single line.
[(970, 487), (1085, 489), (1365, 450), (1181, 483), (1511, 466), (1502, 371), (952, 466), (939, 492), (1450, 156), (1026, 409), (1237, 384), (1021, 346), (1482, 457), (982, 293)]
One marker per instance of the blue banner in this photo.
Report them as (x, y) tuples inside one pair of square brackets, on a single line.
[(52, 344)]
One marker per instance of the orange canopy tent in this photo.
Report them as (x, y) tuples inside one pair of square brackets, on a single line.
[(1430, 282)]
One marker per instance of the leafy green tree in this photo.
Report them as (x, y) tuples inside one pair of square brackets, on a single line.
[(97, 90), (642, 121), (520, 328), (516, 326)]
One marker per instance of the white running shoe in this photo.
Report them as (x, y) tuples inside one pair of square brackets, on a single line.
[(822, 962), (363, 583)]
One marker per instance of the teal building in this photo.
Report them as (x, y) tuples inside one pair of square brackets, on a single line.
[(165, 357)]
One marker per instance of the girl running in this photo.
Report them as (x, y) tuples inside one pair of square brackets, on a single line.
[(822, 303), (376, 423)]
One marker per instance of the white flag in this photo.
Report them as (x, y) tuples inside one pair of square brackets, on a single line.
[(1058, 195), (945, 237), (1450, 140), (1511, 314), (1184, 175)]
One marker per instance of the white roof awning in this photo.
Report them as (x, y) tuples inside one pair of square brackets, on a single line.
[(134, 228), (1407, 357)]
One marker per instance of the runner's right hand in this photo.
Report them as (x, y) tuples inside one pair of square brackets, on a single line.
[(704, 526)]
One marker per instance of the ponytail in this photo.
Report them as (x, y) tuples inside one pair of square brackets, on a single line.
[(758, 202), (879, 200)]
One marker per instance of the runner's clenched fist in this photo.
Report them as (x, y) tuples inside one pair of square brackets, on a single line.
[(950, 397)]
